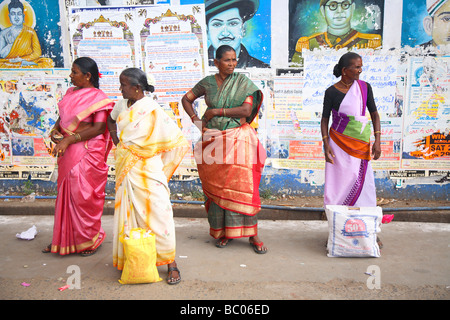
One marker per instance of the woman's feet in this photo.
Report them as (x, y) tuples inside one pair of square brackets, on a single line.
[(174, 276), (84, 253), (223, 242), (87, 253), (47, 249), (257, 245), (255, 242)]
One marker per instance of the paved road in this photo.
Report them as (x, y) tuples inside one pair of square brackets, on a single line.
[(414, 264)]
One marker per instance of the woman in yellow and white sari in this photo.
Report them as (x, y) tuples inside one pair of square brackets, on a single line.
[(150, 147)]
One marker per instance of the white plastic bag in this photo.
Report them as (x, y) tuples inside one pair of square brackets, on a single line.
[(353, 231), (29, 234)]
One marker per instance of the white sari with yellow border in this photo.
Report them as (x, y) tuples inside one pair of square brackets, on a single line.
[(150, 149)]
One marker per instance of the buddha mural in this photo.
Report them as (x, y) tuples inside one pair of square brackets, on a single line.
[(19, 44)]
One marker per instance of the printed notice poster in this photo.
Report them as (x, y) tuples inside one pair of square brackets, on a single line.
[(106, 36), (166, 42), (426, 139)]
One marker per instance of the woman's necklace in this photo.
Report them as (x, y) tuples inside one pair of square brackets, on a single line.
[(346, 85)]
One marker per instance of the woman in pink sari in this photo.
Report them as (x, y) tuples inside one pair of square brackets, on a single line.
[(82, 146)]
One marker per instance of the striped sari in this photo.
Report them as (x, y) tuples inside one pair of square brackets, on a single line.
[(150, 149), (350, 180), (230, 159)]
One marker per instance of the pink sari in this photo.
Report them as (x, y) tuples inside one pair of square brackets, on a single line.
[(82, 174)]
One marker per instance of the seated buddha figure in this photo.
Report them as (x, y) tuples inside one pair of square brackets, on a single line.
[(19, 44)]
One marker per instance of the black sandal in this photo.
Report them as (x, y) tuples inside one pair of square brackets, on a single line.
[(175, 281), (223, 242), (87, 253), (47, 249)]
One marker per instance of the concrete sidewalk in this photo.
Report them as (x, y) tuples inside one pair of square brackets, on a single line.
[(269, 212), (414, 264)]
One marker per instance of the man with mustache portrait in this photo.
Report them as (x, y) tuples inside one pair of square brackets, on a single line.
[(226, 21), (338, 15)]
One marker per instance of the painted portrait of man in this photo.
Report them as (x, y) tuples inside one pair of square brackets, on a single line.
[(228, 22), (437, 23), (426, 23), (334, 24), (24, 42)]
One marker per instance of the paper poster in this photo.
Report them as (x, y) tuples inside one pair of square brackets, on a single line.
[(426, 140)]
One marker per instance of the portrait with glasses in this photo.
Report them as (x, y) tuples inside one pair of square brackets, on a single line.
[(334, 24)]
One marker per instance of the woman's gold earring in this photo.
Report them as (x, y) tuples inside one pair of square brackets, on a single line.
[(137, 90)]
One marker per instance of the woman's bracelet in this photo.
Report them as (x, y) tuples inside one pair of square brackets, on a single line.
[(377, 132), (224, 112), (77, 137), (112, 131), (324, 137), (192, 117)]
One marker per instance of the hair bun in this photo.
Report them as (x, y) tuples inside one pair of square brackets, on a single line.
[(337, 71)]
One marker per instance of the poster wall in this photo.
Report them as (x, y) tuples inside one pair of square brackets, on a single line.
[(174, 44)]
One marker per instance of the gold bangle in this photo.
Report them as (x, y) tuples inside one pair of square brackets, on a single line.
[(112, 131), (224, 114), (324, 137), (77, 137), (377, 132)]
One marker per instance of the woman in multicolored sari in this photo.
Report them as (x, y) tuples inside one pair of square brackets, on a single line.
[(150, 146), (82, 147), (349, 178), (230, 158)]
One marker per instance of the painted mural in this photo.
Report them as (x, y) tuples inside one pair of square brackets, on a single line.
[(30, 34), (242, 25), (334, 24), (426, 23)]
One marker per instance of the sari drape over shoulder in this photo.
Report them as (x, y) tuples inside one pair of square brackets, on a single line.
[(350, 180), (82, 175), (150, 149), (230, 160)]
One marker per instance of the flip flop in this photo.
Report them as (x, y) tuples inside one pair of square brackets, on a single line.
[(258, 247), (221, 242), (176, 280), (47, 249), (87, 253)]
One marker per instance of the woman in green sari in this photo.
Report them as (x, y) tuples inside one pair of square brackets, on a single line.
[(230, 158)]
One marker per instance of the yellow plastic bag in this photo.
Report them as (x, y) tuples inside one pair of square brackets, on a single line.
[(140, 258)]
